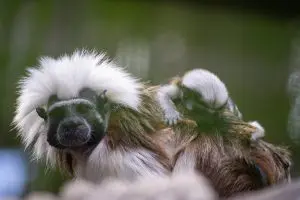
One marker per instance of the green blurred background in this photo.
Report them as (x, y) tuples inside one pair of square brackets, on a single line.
[(247, 43)]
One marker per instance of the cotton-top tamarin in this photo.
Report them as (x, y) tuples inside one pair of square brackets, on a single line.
[(91, 117), (201, 96), (212, 138)]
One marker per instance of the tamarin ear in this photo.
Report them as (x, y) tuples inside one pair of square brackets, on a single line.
[(102, 97), (42, 113), (102, 100), (103, 94)]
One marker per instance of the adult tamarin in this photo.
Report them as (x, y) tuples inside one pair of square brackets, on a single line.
[(211, 136), (91, 117)]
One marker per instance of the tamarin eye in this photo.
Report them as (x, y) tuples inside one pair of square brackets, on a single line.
[(42, 113), (189, 104), (82, 108)]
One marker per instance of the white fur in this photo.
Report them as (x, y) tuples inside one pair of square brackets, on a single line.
[(164, 97), (70, 102), (188, 186), (124, 163), (208, 85), (260, 133), (185, 163), (65, 77), (212, 90)]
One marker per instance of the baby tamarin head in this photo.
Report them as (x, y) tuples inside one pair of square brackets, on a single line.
[(200, 95)]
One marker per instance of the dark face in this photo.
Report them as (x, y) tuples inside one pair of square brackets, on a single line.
[(197, 109), (193, 101), (205, 115), (76, 123)]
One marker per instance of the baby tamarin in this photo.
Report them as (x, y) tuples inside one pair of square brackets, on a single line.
[(211, 136), (199, 95)]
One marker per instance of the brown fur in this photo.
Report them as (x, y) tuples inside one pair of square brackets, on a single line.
[(229, 163), (229, 160), (224, 154), (127, 129)]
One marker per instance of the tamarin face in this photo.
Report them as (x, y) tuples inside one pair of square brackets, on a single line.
[(194, 107), (192, 100), (76, 123)]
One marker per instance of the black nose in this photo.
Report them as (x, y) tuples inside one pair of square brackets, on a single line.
[(73, 132)]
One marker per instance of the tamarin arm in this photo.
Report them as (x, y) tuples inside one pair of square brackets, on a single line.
[(165, 96)]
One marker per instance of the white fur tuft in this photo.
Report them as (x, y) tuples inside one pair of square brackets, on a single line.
[(260, 133), (208, 85), (124, 163), (65, 77)]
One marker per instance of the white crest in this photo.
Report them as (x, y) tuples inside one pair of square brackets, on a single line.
[(211, 88), (65, 77)]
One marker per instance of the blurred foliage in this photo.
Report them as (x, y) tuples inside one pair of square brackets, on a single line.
[(155, 40)]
